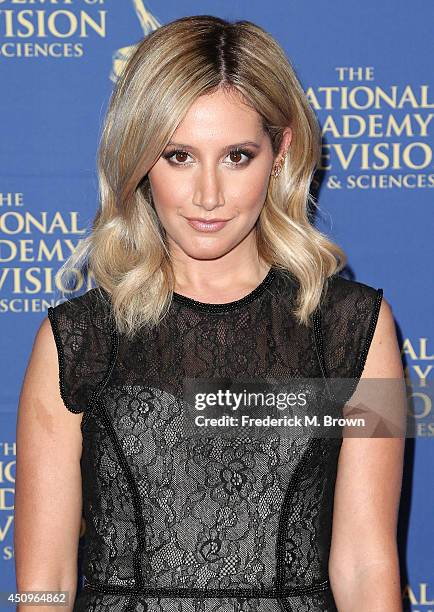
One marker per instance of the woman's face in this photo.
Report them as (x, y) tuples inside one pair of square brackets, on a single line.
[(216, 166)]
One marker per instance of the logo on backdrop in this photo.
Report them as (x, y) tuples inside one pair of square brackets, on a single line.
[(376, 135), (419, 596), (418, 374), (7, 493), (61, 29), (29, 258), (148, 23)]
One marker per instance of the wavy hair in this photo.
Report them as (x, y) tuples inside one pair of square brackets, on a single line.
[(126, 251)]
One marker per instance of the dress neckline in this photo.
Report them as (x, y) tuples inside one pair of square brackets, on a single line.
[(228, 306)]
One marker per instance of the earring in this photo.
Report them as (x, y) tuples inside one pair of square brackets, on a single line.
[(278, 167), (276, 170)]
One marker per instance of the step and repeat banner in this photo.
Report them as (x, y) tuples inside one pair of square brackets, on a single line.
[(367, 70)]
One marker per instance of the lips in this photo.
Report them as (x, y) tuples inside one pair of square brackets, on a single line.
[(212, 225)]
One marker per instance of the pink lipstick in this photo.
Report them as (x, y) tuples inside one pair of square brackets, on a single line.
[(211, 225)]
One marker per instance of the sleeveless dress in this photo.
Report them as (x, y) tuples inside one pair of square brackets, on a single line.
[(177, 523)]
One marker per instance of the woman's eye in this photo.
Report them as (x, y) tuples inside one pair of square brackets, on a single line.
[(238, 155), (178, 154), (235, 155)]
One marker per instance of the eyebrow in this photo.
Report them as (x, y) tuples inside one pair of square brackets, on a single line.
[(245, 143)]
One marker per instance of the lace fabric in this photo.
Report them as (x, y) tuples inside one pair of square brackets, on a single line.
[(201, 523)]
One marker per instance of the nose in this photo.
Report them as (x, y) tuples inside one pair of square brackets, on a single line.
[(208, 190)]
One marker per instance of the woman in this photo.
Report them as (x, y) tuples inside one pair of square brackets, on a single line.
[(207, 268)]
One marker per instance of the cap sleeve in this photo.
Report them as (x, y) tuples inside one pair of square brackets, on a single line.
[(349, 315), (83, 332)]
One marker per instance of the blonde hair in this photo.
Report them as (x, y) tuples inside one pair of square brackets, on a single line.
[(127, 252)]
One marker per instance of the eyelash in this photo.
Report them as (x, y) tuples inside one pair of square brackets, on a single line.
[(245, 152)]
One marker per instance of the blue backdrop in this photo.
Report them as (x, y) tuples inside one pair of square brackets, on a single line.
[(367, 69)]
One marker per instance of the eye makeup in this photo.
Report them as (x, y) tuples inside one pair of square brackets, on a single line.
[(237, 151)]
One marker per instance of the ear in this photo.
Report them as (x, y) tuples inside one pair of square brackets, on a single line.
[(286, 141)]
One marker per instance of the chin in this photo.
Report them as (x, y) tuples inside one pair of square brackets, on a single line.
[(201, 252)]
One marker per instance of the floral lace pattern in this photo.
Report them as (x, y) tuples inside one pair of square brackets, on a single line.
[(199, 523)]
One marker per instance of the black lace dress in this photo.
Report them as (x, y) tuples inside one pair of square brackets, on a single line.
[(178, 523)]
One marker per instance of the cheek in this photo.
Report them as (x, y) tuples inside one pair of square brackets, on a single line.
[(165, 191), (169, 188), (250, 192)]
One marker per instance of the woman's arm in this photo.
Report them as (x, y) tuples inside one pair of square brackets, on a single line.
[(48, 479), (363, 564)]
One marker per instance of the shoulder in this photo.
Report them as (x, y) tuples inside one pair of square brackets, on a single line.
[(82, 328), (339, 291), (87, 314), (349, 312), (384, 357), (369, 320), (93, 303), (347, 305)]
